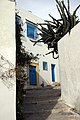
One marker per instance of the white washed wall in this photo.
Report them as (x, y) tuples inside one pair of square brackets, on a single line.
[(39, 48), (7, 50), (69, 52)]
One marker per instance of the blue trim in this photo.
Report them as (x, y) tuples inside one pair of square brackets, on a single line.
[(53, 72), (31, 31), (18, 20)]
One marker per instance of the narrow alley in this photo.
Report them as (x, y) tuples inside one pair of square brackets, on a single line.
[(46, 104)]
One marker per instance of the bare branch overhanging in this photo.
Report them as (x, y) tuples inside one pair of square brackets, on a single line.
[(53, 31)]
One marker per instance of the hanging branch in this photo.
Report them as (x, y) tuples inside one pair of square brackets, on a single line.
[(52, 31), (7, 72)]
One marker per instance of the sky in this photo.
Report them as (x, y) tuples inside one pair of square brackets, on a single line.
[(42, 8)]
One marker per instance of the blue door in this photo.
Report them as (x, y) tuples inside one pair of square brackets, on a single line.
[(53, 72), (32, 75)]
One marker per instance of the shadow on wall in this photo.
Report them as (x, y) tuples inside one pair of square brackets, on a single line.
[(43, 82)]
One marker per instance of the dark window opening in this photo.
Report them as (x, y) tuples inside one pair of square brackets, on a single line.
[(45, 66)]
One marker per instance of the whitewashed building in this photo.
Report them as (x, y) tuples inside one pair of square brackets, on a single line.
[(65, 69), (7, 60), (46, 69)]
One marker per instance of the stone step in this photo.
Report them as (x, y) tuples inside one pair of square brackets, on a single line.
[(34, 93), (55, 84), (55, 114), (42, 106), (41, 99), (39, 103), (36, 116), (55, 110), (43, 94)]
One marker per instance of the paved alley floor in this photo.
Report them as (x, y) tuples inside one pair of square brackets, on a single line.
[(46, 104)]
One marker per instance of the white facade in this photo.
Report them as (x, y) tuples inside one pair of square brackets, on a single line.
[(69, 60), (7, 61), (39, 48)]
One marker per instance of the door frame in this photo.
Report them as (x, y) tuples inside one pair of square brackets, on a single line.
[(37, 71)]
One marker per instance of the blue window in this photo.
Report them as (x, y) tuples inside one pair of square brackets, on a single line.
[(45, 66), (31, 31), (18, 20)]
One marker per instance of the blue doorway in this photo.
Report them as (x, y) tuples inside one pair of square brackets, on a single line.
[(32, 75), (53, 72)]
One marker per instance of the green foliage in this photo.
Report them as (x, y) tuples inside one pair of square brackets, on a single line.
[(53, 31), (19, 61), (22, 59), (19, 100)]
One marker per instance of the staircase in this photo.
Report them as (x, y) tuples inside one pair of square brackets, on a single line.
[(39, 103)]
